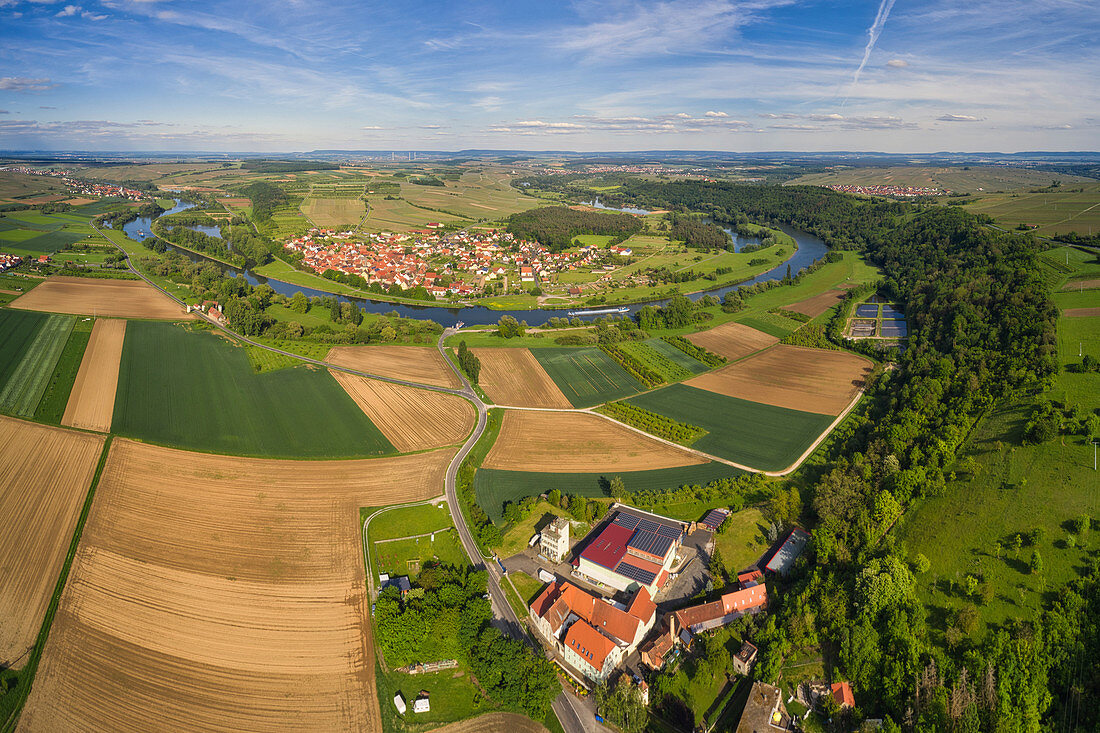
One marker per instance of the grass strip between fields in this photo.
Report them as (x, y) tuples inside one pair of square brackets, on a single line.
[(11, 703)]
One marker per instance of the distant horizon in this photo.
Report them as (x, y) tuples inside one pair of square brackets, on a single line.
[(547, 152)]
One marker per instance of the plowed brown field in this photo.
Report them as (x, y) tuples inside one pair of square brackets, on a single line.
[(815, 306), (515, 377), (1081, 312), (413, 419), (92, 401), (1082, 284), (44, 477), (732, 340), (494, 723), (795, 377), (214, 593), (88, 296), (414, 363), (576, 442)]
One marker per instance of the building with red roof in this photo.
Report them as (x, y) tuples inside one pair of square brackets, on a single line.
[(566, 616), (635, 549), (842, 693)]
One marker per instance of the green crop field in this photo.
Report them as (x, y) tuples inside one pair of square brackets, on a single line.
[(671, 352), (960, 179), (762, 436), (1068, 208), (670, 369), (26, 384), (18, 330), (399, 215), (51, 242), (484, 195), (493, 487), (52, 406), (197, 391), (586, 376)]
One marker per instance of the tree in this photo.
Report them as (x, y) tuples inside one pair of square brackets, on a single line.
[(508, 327), (388, 333), (299, 303), (921, 564), (617, 489), (1036, 563), (717, 568)]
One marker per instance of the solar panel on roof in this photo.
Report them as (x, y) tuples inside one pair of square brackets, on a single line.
[(673, 533), (635, 573), (646, 525), (626, 520), (649, 542)]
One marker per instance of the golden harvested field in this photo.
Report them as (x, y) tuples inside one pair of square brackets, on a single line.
[(795, 377), (413, 419), (215, 593), (815, 306), (732, 340), (413, 363), (92, 402), (1081, 312), (333, 212), (45, 478), (87, 296), (515, 377), (494, 723), (577, 442)]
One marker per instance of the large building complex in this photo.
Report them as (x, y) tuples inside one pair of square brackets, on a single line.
[(634, 550), (592, 635)]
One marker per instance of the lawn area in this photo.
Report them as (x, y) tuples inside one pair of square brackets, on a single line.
[(410, 521), (52, 406), (519, 534), (694, 685), (741, 540), (494, 487), (312, 318), (453, 697), (586, 376), (265, 360), (195, 390), (761, 436), (405, 557), (528, 587)]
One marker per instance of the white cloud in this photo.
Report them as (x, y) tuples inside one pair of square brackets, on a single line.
[(712, 113), (24, 84), (959, 118), (897, 63), (68, 11)]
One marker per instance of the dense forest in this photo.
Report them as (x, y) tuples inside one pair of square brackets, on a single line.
[(981, 330), (287, 166), (265, 199), (555, 226), (696, 233)]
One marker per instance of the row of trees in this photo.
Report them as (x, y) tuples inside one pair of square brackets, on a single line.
[(469, 362), (695, 352), (651, 422)]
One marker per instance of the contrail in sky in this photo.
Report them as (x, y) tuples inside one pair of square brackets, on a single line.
[(873, 33)]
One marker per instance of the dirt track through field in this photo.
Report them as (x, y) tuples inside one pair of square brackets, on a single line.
[(215, 593), (732, 340), (494, 723), (575, 442), (412, 363), (44, 479), (92, 296), (1081, 312), (515, 377), (815, 306), (795, 377), (92, 402), (413, 419)]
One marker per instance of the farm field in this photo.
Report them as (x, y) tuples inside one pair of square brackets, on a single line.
[(86, 296), (577, 442), (414, 363), (732, 340), (326, 212), (494, 487), (92, 400), (657, 359), (18, 331), (1070, 208), (484, 195), (793, 377), (818, 304), (671, 352), (412, 419), (196, 390), (46, 477), (960, 179), (254, 618), (52, 406), (17, 187), (586, 376), (515, 377), (495, 723), (27, 379), (761, 436), (398, 215)]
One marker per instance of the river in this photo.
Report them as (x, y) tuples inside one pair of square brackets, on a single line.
[(810, 249)]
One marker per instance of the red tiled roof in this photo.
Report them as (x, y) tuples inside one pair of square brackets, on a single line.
[(642, 607), (608, 549), (842, 693), (590, 644)]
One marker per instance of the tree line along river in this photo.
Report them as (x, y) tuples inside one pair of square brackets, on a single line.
[(810, 249)]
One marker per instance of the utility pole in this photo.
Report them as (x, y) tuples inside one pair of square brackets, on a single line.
[(1094, 444)]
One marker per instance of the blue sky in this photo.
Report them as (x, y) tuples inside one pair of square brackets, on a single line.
[(743, 75)]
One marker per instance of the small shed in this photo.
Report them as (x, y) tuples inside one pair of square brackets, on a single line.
[(399, 703), (420, 704)]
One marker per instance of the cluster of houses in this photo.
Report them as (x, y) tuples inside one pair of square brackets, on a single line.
[(79, 187), (8, 261), (457, 264), (907, 191)]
